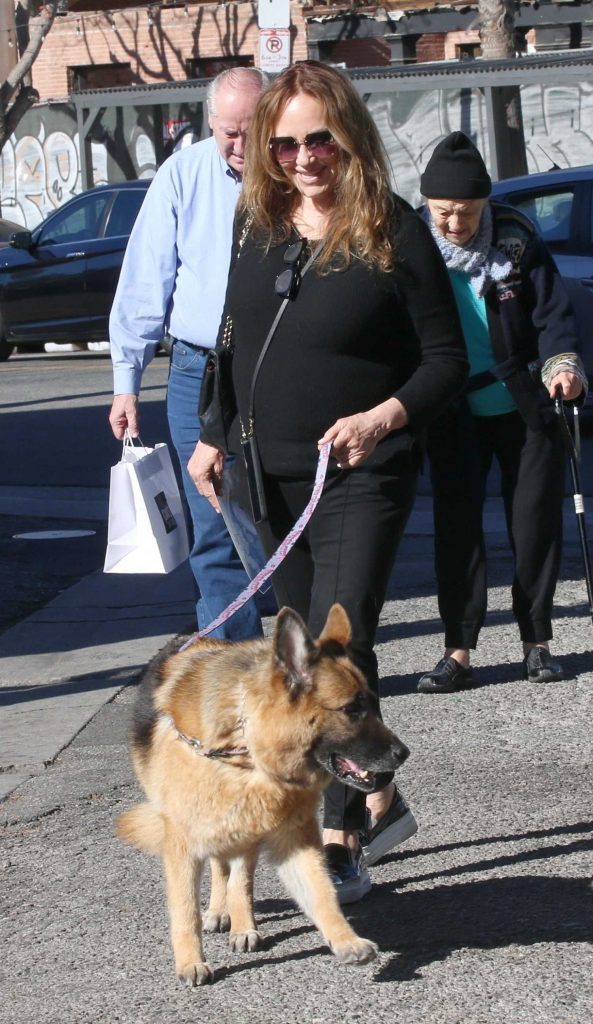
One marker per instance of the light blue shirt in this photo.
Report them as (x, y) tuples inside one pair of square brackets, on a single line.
[(176, 265), (494, 399)]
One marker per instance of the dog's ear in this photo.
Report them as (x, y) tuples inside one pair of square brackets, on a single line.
[(337, 627), (294, 650)]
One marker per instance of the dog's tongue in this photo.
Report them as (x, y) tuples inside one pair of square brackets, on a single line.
[(353, 767)]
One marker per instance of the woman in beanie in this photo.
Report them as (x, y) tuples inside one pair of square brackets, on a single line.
[(521, 343)]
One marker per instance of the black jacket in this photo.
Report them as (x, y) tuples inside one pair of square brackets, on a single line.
[(529, 313), (347, 342)]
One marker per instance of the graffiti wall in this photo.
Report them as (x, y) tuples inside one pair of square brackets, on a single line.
[(558, 124), (40, 167)]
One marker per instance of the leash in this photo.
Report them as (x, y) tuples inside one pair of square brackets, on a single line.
[(279, 555)]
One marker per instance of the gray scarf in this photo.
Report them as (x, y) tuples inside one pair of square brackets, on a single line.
[(479, 259)]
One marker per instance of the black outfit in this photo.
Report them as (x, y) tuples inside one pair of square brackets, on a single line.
[(350, 339), (529, 321)]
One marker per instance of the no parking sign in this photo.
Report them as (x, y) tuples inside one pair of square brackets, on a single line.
[(274, 49)]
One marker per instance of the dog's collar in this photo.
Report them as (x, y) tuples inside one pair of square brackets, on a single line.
[(198, 746)]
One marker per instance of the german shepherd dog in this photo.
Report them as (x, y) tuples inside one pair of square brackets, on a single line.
[(233, 744)]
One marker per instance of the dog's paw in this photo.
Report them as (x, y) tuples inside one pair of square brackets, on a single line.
[(196, 974), (355, 951), (245, 942), (216, 922)]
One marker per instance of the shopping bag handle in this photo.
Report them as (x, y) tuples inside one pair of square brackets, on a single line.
[(129, 440)]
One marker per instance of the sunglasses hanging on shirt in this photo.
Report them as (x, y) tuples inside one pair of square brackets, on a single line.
[(288, 280)]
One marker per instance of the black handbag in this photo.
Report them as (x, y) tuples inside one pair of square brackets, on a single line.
[(217, 407)]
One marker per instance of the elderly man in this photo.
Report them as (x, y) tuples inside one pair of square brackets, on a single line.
[(521, 342), (174, 279)]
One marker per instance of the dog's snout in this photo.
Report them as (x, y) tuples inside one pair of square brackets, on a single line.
[(400, 752)]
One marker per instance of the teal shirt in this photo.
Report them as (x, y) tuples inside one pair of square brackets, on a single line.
[(494, 400)]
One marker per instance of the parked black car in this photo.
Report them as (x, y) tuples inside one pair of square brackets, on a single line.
[(57, 282), (560, 203), (8, 228)]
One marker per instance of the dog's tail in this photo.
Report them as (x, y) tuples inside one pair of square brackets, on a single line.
[(143, 827)]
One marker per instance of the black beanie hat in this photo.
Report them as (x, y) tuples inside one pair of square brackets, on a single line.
[(455, 171)]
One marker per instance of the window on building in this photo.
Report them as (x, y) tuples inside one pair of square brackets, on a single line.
[(468, 51), (208, 67), (355, 53), (99, 76)]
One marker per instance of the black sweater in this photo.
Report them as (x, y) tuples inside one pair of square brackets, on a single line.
[(350, 340)]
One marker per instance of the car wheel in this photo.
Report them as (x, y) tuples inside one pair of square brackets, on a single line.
[(6, 349)]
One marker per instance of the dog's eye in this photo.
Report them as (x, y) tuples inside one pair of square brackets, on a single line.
[(356, 708)]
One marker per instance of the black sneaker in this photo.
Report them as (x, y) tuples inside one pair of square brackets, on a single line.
[(540, 667), (348, 872), (394, 827)]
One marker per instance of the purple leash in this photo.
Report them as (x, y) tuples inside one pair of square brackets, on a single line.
[(278, 556)]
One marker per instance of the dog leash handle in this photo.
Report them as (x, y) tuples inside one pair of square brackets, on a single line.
[(279, 555)]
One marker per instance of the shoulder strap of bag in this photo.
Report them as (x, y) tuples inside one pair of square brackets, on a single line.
[(249, 429)]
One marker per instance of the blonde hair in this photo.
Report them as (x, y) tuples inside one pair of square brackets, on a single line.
[(361, 220)]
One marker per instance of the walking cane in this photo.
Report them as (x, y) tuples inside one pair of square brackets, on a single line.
[(573, 448)]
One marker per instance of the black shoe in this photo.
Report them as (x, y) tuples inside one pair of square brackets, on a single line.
[(540, 667), (448, 676), (394, 827)]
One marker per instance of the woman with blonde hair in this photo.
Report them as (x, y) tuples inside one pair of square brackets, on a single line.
[(367, 351)]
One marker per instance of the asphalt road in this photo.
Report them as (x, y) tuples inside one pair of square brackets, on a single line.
[(57, 450), (484, 917)]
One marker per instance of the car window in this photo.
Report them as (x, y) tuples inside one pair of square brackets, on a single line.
[(124, 212), (551, 211), (79, 223)]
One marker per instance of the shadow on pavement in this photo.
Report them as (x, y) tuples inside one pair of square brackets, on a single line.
[(10, 695), (428, 627), (430, 925)]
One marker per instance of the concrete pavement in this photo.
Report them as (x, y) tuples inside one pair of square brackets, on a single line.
[(59, 666), (483, 918)]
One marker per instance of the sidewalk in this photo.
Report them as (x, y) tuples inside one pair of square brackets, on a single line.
[(63, 663), (59, 666), (484, 917)]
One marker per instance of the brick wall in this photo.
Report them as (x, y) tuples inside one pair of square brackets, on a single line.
[(430, 46), (155, 43), (359, 53)]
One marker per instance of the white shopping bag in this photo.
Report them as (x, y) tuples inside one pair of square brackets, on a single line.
[(146, 530)]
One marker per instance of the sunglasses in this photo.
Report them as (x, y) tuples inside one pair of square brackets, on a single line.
[(288, 280), (319, 144)]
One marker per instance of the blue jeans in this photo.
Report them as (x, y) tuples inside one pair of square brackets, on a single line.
[(216, 566)]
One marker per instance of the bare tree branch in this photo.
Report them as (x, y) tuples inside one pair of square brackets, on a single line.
[(16, 93)]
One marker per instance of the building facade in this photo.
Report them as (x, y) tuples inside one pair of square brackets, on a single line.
[(105, 44)]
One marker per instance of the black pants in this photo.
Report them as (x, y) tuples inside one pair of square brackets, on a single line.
[(346, 554), (461, 448)]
